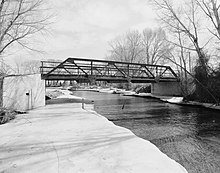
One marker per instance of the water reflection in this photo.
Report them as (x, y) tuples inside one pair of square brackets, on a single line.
[(189, 135)]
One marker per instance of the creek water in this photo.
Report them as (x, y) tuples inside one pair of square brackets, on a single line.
[(189, 135)]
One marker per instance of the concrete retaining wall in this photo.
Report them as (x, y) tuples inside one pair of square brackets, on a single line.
[(166, 89), (23, 92)]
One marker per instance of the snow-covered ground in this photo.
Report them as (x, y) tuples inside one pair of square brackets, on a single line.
[(67, 94), (53, 92), (175, 100), (169, 99), (107, 90), (144, 94), (66, 138), (128, 93), (117, 91)]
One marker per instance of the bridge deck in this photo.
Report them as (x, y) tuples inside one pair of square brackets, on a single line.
[(85, 70)]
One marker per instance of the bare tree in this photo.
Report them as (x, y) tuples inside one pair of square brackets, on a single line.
[(118, 49), (155, 45), (182, 20), (185, 20), (182, 53), (149, 47), (134, 46), (27, 67), (127, 48), (5, 69), (19, 20), (211, 10), (181, 58)]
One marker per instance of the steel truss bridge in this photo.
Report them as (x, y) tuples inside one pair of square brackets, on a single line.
[(90, 70)]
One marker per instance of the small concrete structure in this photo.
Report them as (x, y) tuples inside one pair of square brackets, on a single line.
[(166, 89), (23, 92)]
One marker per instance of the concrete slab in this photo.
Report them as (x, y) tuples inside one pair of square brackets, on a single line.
[(66, 138)]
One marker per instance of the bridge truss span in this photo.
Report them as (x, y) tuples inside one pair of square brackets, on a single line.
[(87, 70)]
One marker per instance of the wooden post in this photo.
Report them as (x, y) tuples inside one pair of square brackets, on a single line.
[(83, 106)]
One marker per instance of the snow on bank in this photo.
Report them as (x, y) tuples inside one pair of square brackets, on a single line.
[(107, 90), (68, 94), (66, 138), (144, 94), (56, 93), (53, 93), (117, 91), (168, 99), (128, 93), (175, 100)]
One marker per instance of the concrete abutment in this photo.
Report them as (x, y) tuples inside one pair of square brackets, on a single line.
[(166, 89)]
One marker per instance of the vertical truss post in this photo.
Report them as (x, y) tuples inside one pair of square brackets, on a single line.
[(108, 69), (156, 72), (91, 68), (42, 67), (128, 70)]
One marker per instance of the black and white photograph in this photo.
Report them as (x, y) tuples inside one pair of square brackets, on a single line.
[(109, 86)]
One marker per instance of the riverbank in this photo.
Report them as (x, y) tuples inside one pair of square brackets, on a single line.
[(187, 134), (168, 99), (67, 138), (179, 101)]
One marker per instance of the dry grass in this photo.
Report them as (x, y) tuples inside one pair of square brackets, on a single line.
[(6, 115), (53, 93)]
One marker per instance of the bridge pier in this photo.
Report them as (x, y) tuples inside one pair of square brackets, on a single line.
[(166, 89), (92, 79)]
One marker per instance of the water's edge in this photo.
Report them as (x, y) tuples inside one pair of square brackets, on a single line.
[(189, 135)]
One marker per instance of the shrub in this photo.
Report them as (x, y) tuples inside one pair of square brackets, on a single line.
[(208, 87), (143, 89), (6, 115)]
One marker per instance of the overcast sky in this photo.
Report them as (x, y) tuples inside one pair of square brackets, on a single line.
[(83, 28)]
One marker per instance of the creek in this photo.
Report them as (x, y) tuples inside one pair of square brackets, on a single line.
[(189, 135)]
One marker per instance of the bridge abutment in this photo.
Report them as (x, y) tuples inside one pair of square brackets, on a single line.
[(166, 89)]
